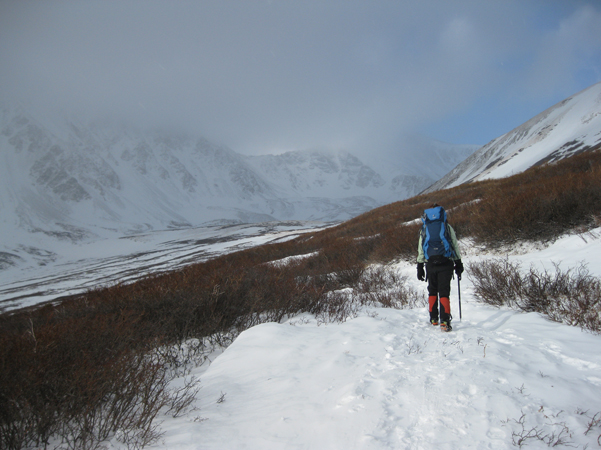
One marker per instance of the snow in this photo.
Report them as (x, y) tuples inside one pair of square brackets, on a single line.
[(49, 271), (290, 259), (386, 379), (391, 381)]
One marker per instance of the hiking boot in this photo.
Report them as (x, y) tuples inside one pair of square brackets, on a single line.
[(434, 322), (446, 326)]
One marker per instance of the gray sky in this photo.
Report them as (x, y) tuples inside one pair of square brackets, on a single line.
[(267, 76)]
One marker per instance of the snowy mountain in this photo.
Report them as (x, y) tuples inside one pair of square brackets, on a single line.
[(313, 171), (88, 178), (567, 128), (71, 179)]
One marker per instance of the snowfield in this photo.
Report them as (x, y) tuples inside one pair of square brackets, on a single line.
[(386, 379), (73, 268)]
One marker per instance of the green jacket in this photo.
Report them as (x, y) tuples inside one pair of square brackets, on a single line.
[(421, 258)]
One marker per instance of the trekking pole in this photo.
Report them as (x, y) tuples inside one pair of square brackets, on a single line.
[(459, 292)]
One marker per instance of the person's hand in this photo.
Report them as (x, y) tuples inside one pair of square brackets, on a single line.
[(458, 268), (421, 274)]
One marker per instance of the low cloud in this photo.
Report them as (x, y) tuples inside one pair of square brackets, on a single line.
[(263, 76)]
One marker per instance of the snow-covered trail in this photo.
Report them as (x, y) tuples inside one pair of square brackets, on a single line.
[(386, 379)]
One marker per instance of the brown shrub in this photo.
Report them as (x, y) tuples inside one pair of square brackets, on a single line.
[(572, 296)]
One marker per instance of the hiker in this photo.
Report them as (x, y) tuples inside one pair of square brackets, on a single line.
[(439, 251)]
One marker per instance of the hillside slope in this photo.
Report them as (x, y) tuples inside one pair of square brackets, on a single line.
[(387, 379), (567, 128)]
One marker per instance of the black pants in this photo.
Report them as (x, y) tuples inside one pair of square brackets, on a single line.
[(439, 286)]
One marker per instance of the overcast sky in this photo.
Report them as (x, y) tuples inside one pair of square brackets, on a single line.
[(267, 76)]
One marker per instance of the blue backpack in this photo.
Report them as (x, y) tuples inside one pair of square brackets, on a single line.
[(435, 236)]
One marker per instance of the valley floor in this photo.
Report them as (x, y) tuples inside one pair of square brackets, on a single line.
[(64, 268)]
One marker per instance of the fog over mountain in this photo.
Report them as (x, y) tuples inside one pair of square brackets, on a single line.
[(68, 179)]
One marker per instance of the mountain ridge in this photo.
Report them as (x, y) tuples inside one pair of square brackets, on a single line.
[(100, 178), (563, 130)]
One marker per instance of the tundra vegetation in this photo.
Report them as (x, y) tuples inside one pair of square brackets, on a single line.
[(97, 366)]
